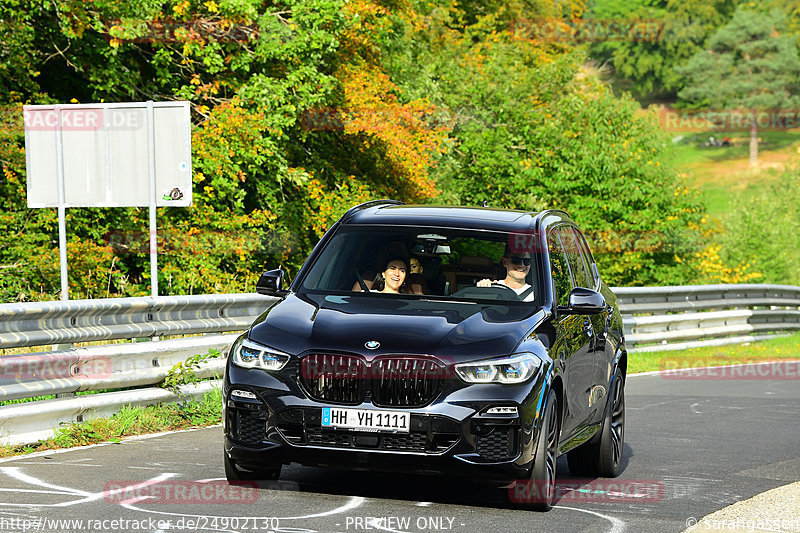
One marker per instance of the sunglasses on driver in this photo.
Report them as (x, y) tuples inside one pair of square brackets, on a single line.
[(516, 260)]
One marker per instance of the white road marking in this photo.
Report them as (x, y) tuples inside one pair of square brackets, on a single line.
[(17, 474), (617, 525), (35, 491), (354, 501)]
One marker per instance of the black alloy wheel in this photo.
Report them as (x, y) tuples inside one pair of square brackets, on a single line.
[(542, 484), (604, 457)]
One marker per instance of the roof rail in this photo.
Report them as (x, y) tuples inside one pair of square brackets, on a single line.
[(555, 211), (544, 212), (371, 203)]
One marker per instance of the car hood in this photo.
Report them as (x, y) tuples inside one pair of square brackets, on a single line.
[(345, 324)]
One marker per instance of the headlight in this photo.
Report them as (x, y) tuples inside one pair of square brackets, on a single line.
[(248, 354), (514, 369)]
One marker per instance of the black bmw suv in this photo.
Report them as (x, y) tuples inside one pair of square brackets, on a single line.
[(474, 342)]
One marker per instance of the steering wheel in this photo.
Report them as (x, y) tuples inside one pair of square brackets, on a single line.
[(496, 291)]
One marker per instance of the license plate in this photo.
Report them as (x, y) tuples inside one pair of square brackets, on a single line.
[(366, 419)]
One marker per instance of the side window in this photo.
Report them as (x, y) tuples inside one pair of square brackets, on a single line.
[(580, 277), (587, 256), (559, 269)]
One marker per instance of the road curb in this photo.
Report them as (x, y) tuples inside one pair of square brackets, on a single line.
[(775, 510)]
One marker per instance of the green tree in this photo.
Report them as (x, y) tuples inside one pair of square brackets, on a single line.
[(649, 61), (751, 63), (763, 229)]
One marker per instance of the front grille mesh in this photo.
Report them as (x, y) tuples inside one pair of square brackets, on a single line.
[(249, 428), (407, 381), (496, 446), (333, 378), (411, 442), (429, 433)]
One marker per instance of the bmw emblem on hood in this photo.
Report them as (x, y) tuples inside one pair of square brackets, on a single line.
[(372, 345)]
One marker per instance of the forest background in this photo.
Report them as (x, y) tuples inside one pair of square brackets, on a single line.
[(304, 108)]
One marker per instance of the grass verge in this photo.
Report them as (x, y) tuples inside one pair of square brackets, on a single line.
[(781, 348), (130, 421)]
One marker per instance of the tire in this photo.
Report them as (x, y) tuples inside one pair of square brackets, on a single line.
[(234, 474), (540, 491), (604, 457)]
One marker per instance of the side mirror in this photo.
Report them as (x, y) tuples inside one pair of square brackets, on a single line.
[(271, 283), (584, 301)]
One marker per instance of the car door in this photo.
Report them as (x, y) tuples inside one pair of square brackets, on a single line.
[(573, 342), (603, 351)]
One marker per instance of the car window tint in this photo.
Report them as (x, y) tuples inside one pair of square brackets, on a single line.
[(559, 269), (587, 255), (580, 277)]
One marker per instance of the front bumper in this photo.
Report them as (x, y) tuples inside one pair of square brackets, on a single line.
[(451, 436)]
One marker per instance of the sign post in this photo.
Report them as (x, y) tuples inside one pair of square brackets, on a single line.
[(62, 211), (151, 163), (135, 154)]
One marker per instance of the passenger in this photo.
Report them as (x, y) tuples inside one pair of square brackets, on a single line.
[(517, 265), (392, 277), (416, 266), (415, 282), (394, 249)]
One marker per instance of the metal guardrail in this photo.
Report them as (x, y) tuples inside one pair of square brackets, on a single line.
[(40, 323), (108, 366), (678, 317), (655, 318)]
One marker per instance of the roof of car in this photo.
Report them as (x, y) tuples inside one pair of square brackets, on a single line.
[(486, 218)]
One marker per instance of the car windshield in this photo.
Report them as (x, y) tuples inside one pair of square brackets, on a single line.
[(428, 264)]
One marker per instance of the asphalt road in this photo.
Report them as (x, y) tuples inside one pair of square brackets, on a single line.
[(692, 447)]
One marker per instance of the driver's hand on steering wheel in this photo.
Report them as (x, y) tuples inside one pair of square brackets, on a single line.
[(485, 283)]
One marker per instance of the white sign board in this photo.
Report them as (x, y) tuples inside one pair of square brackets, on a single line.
[(105, 154)]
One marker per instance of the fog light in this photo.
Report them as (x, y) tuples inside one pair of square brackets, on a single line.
[(502, 411), (243, 394)]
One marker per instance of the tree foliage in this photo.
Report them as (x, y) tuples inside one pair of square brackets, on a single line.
[(751, 63), (650, 62), (769, 247), (302, 108)]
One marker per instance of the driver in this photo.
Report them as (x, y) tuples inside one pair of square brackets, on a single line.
[(517, 265)]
